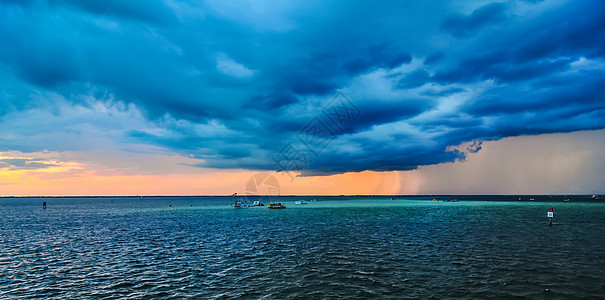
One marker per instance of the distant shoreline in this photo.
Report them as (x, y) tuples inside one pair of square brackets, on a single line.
[(528, 197)]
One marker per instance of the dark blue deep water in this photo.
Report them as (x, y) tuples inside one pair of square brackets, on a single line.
[(334, 248)]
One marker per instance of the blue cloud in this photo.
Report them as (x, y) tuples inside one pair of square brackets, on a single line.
[(272, 101), (433, 58), (153, 11), (414, 79), (463, 26), (232, 85), (25, 164)]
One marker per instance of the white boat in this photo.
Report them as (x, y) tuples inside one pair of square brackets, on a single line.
[(299, 202), (238, 202)]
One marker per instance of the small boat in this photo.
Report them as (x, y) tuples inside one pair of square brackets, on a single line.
[(276, 205), (435, 199), (240, 204), (299, 202), (566, 200), (257, 203), (531, 199)]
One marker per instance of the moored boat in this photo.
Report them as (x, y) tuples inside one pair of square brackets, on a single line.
[(276, 205), (238, 202)]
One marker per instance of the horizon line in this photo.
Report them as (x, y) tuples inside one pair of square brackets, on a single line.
[(291, 195)]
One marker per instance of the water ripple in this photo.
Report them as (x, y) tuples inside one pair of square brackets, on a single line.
[(437, 250)]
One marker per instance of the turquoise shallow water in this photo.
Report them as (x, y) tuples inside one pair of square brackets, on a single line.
[(334, 248)]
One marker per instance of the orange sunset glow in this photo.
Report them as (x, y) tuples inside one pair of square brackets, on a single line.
[(51, 177)]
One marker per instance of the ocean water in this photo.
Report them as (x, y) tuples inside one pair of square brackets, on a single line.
[(333, 248)]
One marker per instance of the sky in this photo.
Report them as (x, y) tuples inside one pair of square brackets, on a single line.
[(170, 97)]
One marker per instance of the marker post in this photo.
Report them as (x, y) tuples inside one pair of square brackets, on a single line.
[(551, 215)]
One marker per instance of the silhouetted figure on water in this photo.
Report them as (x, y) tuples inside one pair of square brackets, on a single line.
[(44, 205)]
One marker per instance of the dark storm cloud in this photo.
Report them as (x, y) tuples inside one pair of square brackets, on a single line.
[(580, 93), (377, 112), (325, 71), (381, 157), (233, 83), (534, 49), (463, 26), (433, 58), (153, 11), (414, 79), (272, 101)]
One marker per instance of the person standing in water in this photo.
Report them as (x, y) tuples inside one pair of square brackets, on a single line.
[(44, 205)]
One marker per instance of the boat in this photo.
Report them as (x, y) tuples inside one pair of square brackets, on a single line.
[(257, 203), (566, 200), (238, 202), (276, 205), (300, 202), (445, 200)]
